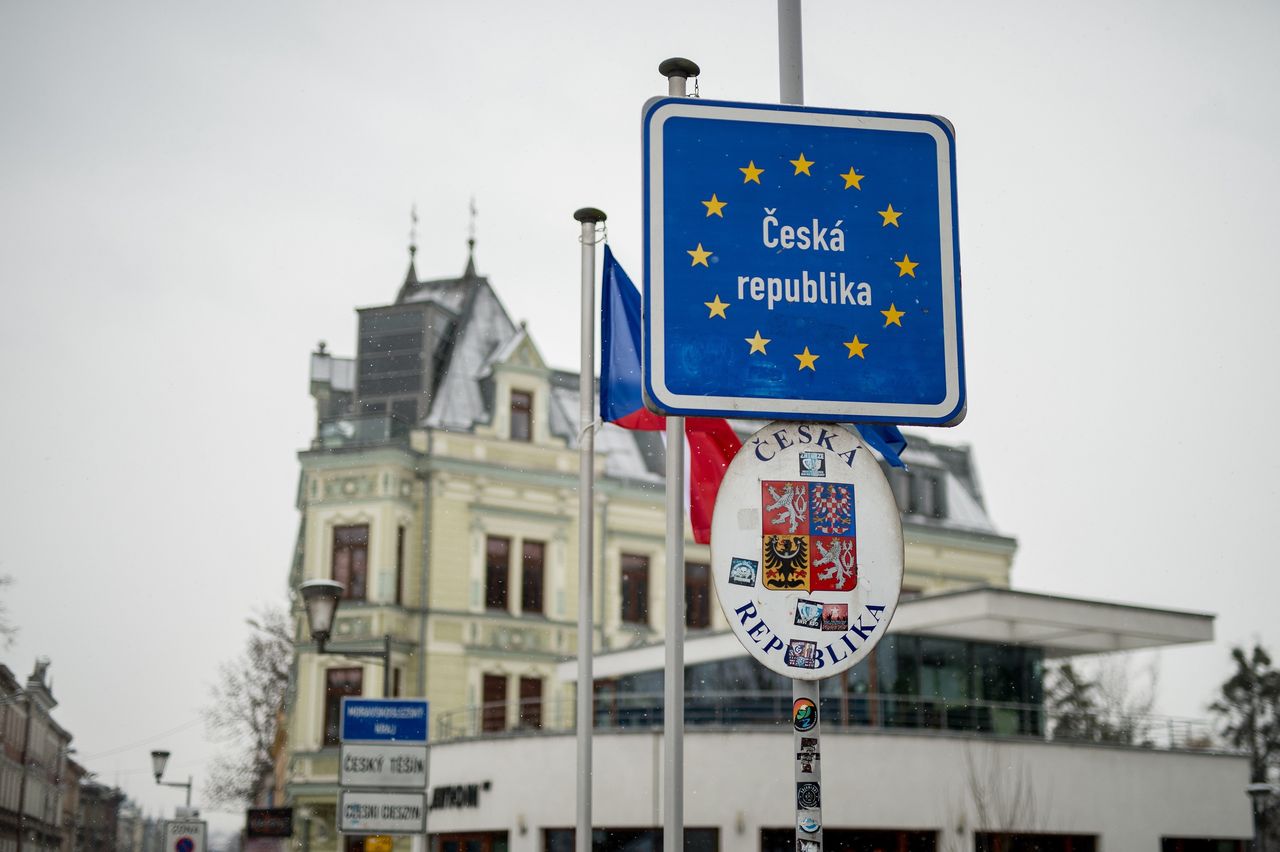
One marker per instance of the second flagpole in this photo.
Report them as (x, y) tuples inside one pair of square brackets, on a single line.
[(589, 217)]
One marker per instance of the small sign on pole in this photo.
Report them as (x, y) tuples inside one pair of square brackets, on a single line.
[(380, 812), (185, 835), (379, 765), (401, 720)]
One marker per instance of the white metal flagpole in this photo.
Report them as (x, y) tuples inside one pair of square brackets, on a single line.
[(589, 217), (677, 71)]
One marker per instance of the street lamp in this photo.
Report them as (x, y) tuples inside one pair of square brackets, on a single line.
[(158, 761), (321, 599), (1259, 792)]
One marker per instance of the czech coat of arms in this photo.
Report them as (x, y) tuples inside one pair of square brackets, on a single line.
[(808, 536)]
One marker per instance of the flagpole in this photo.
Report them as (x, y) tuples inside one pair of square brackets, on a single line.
[(791, 91), (589, 217), (677, 71)]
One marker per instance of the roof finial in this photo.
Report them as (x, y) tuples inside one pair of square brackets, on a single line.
[(411, 275), (413, 231), (471, 243)]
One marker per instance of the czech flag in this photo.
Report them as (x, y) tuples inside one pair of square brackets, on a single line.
[(712, 442)]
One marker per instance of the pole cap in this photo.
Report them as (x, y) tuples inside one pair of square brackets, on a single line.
[(589, 214), (678, 66)]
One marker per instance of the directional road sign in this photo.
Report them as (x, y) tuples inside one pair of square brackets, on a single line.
[(801, 263), (379, 812), (379, 765), (401, 720)]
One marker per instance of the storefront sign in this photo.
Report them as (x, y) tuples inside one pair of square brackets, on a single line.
[(269, 822)]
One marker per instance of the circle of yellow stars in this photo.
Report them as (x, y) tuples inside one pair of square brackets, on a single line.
[(757, 343)]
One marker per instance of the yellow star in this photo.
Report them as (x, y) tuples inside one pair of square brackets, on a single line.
[(714, 206), (700, 256), (890, 216), (855, 347), (905, 266), (852, 179), (802, 165), (717, 308), (757, 343), (893, 316), (806, 360), (751, 173)]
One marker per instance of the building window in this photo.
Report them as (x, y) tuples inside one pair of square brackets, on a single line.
[(697, 595), (400, 531), (521, 415), (987, 841), (533, 558), (493, 713), (497, 570), (337, 684), (351, 560), (635, 589), (530, 702)]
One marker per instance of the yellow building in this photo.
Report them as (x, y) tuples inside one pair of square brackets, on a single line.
[(441, 491)]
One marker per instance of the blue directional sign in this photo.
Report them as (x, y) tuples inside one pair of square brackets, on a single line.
[(801, 263), (376, 720)]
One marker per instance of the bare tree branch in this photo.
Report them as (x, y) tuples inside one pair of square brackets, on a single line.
[(245, 705)]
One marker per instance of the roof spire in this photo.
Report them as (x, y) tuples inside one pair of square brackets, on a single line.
[(411, 277), (470, 271)]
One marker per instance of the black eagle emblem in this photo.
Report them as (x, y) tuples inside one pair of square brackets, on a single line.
[(786, 561)]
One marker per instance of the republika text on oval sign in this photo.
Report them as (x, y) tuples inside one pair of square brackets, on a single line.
[(806, 549)]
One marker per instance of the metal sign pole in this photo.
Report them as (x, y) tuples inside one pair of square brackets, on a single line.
[(807, 752), (807, 722), (677, 71), (589, 217)]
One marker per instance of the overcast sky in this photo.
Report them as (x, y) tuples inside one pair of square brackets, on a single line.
[(192, 195)]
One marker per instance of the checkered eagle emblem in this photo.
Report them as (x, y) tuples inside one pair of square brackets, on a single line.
[(808, 540)]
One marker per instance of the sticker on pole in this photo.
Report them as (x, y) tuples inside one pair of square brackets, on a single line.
[(806, 548)]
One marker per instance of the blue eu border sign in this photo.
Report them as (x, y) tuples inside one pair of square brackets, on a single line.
[(384, 720), (801, 263)]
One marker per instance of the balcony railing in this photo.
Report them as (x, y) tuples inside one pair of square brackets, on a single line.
[(764, 710), (361, 430)]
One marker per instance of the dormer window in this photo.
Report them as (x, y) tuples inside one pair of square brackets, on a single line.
[(521, 415)]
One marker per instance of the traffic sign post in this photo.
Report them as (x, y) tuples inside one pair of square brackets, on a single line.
[(384, 755), (185, 835), (807, 556), (811, 255)]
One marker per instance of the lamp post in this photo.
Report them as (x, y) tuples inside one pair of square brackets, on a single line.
[(1259, 792), (158, 761), (321, 599)]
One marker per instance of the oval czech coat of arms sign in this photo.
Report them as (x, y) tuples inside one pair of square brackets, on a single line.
[(806, 549)]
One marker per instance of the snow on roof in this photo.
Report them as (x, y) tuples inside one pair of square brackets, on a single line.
[(484, 326)]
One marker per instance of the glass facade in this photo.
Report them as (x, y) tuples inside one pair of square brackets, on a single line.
[(908, 682)]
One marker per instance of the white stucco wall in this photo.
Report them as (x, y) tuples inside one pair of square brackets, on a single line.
[(742, 782)]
